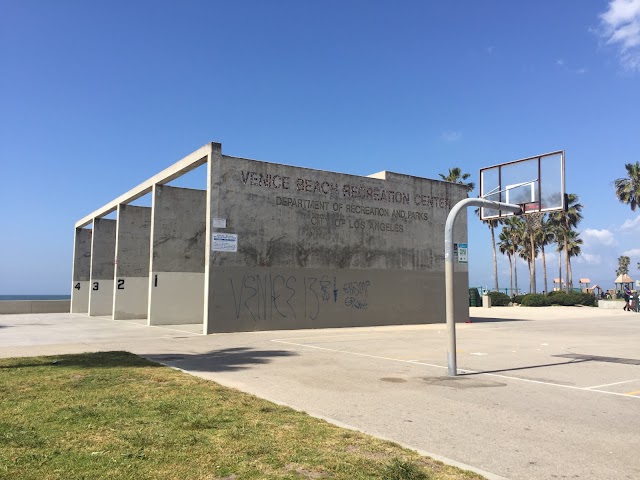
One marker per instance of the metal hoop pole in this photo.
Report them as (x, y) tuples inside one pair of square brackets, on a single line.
[(448, 269)]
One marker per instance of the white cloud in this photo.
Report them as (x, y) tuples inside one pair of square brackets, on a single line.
[(634, 252), (592, 236), (621, 28), (561, 63), (589, 259), (451, 136), (631, 225)]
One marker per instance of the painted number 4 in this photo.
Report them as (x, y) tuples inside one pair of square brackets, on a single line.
[(77, 286)]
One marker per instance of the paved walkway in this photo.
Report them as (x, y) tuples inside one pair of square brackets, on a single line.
[(546, 392)]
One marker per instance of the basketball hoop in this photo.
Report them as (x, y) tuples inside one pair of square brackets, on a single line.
[(534, 183)]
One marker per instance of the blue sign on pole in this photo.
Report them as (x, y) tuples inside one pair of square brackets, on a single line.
[(463, 253)]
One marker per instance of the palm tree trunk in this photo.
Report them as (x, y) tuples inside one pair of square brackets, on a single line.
[(570, 273), (532, 270), (510, 273), (515, 271), (559, 269), (530, 283), (544, 271), (566, 263), (495, 257)]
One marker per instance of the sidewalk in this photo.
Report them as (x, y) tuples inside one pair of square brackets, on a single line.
[(547, 391)]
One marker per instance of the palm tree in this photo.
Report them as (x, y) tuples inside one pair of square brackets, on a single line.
[(628, 188), (456, 176), (492, 223), (529, 252), (508, 247), (573, 248), (623, 265), (533, 237), (558, 239), (514, 226), (545, 237), (565, 221)]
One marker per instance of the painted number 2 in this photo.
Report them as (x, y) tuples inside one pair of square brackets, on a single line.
[(121, 284)]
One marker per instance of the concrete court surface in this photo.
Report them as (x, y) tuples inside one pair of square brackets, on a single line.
[(546, 393)]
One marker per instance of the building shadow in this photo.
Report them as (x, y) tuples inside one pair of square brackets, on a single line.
[(224, 360), (79, 360), (492, 320)]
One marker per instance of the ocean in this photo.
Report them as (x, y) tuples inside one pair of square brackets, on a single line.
[(35, 297)]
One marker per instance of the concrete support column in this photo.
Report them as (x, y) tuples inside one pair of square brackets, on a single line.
[(81, 271), (103, 249), (131, 289), (178, 234), (213, 211)]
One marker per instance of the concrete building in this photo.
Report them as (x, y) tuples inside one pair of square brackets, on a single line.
[(269, 246)]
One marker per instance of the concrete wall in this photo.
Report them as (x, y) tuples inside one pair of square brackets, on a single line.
[(279, 298), (103, 248), (34, 306), (178, 233), (322, 249), (81, 270), (273, 246), (611, 304), (131, 289)]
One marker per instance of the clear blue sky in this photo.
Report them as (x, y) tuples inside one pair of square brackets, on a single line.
[(96, 97)]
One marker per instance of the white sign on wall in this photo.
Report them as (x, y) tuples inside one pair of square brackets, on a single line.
[(224, 242), (219, 223)]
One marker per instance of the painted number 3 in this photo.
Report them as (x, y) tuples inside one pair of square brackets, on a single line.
[(96, 285)]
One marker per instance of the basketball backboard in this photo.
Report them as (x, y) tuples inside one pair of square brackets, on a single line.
[(534, 183)]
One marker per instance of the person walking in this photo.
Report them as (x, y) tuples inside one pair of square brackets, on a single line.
[(627, 296)]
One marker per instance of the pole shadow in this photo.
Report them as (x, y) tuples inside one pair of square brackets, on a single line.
[(528, 367)]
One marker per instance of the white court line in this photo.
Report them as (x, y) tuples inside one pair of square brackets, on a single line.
[(413, 362), (609, 384), (174, 329), (131, 323), (315, 337)]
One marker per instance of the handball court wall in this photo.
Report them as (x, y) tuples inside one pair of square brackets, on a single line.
[(269, 246)]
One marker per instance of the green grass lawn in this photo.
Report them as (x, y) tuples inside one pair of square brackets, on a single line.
[(115, 415)]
